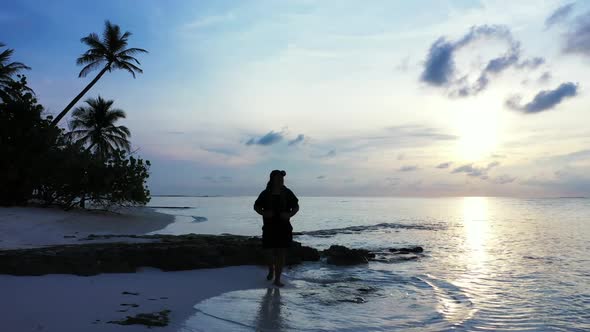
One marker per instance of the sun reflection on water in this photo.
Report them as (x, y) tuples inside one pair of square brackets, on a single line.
[(476, 226), (473, 258)]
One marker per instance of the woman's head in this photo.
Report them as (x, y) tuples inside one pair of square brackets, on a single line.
[(276, 178)]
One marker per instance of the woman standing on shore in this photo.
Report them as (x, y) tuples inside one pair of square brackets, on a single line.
[(276, 204)]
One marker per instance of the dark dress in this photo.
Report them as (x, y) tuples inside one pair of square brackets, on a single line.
[(277, 233)]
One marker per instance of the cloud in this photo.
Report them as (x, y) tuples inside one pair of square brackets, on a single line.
[(577, 39), (444, 165), (268, 139), (220, 150), (544, 100), (440, 66), (582, 155), (577, 29), (469, 170), (440, 70), (503, 179), (218, 179), (559, 15), (545, 77), (410, 168), (474, 171), (300, 138), (330, 154), (417, 131), (532, 63)]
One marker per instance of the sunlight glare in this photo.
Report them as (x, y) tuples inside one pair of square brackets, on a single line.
[(475, 223), (478, 132)]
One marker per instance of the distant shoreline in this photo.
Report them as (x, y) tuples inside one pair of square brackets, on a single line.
[(187, 196)]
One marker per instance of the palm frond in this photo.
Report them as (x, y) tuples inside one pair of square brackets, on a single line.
[(132, 51), (91, 67), (93, 41), (93, 125), (131, 68)]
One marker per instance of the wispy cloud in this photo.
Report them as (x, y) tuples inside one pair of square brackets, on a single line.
[(577, 29), (217, 179), (581, 155), (330, 154), (545, 77), (559, 15), (299, 139), (409, 168), (577, 39), (440, 69), (444, 165), (503, 179), (475, 171), (221, 150), (544, 100), (420, 132), (268, 139)]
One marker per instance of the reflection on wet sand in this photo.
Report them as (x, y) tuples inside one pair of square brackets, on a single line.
[(269, 314)]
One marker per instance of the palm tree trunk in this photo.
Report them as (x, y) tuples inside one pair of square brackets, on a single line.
[(79, 96)]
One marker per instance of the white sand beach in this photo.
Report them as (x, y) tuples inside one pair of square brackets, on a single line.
[(76, 303), (27, 227), (68, 303)]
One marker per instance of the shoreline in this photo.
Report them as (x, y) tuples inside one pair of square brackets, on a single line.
[(75, 303), (65, 302), (31, 227), (184, 269)]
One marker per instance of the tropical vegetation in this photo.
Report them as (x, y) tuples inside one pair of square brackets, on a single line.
[(109, 52), (92, 162)]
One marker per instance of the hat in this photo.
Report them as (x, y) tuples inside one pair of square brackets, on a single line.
[(277, 172)]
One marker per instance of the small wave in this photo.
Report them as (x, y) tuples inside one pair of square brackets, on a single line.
[(199, 219), (171, 207), (366, 228), (454, 303)]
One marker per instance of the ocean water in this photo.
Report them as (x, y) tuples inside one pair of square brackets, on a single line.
[(490, 264)]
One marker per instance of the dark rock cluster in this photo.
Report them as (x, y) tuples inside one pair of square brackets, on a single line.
[(340, 255), (166, 252), (176, 252)]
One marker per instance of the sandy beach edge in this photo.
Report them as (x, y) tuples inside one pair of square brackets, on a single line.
[(76, 303), (27, 227), (73, 303)]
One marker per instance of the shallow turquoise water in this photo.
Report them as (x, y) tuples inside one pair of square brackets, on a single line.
[(494, 264)]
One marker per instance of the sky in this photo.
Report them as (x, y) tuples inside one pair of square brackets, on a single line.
[(350, 98)]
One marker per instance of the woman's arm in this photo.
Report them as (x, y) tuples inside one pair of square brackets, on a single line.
[(259, 209), (294, 211)]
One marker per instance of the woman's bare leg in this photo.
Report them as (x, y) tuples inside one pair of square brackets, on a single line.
[(271, 264), (279, 262)]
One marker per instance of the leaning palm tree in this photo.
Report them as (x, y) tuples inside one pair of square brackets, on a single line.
[(110, 53), (8, 69), (94, 127)]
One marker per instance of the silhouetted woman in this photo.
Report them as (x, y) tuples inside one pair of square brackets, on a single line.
[(276, 204)]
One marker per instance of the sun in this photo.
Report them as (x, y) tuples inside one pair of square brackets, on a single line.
[(478, 134)]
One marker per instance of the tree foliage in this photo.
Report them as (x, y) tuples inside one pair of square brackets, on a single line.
[(40, 162), (94, 126), (109, 52)]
